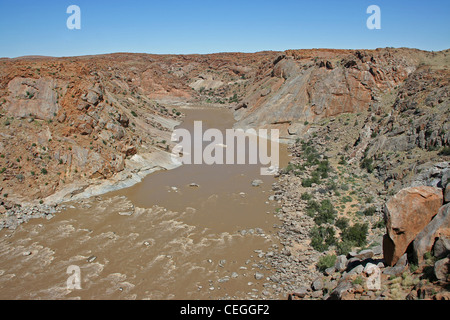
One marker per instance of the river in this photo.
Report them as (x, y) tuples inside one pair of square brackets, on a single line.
[(159, 239)]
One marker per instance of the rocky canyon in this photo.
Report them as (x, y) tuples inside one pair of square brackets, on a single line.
[(368, 132)]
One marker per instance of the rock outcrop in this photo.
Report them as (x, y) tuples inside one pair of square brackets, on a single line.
[(407, 214), (308, 85), (438, 228)]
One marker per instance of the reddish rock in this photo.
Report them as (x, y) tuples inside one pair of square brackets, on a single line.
[(62, 117), (407, 214), (85, 129), (442, 296), (129, 150)]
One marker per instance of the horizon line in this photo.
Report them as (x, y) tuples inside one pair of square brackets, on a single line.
[(37, 56)]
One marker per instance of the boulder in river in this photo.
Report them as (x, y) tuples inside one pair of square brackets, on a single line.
[(257, 183)]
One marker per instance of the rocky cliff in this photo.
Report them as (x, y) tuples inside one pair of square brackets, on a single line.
[(306, 85), (68, 121)]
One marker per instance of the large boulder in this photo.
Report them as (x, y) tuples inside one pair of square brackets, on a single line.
[(441, 247), (445, 178), (439, 227), (407, 214), (341, 263), (447, 194), (442, 269), (297, 129), (343, 291)]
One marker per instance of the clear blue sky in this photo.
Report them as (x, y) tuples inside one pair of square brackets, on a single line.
[(32, 27)]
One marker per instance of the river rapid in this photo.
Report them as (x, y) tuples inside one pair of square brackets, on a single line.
[(194, 232)]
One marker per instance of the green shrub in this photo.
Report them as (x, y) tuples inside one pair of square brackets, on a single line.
[(428, 256), (310, 154), (380, 224), (322, 238), (323, 169), (413, 267), (367, 164), (312, 207), (342, 223), (370, 211), (289, 168), (356, 234), (326, 213), (344, 247), (342, 161), (326, 262), (234, 98), (311, 159), (44, 171), (332, 185), (445, 151), (307, 183), (346, 199), (306, 196), (322, 212), (358, 280)]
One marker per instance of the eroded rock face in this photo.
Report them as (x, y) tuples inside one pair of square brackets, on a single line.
[(33, 98), (407, 214), (315, 84)]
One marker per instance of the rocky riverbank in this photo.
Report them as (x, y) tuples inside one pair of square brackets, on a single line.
[(136, 169), (335, 213)]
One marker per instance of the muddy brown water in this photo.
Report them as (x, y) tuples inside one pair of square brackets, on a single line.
[(160, 239)]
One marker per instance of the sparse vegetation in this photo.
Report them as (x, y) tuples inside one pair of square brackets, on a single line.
[(234, 99), (356, 234), (322, 238), (306, 196), (367, 163), (369, 211), (445, 151), (326, 262)]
